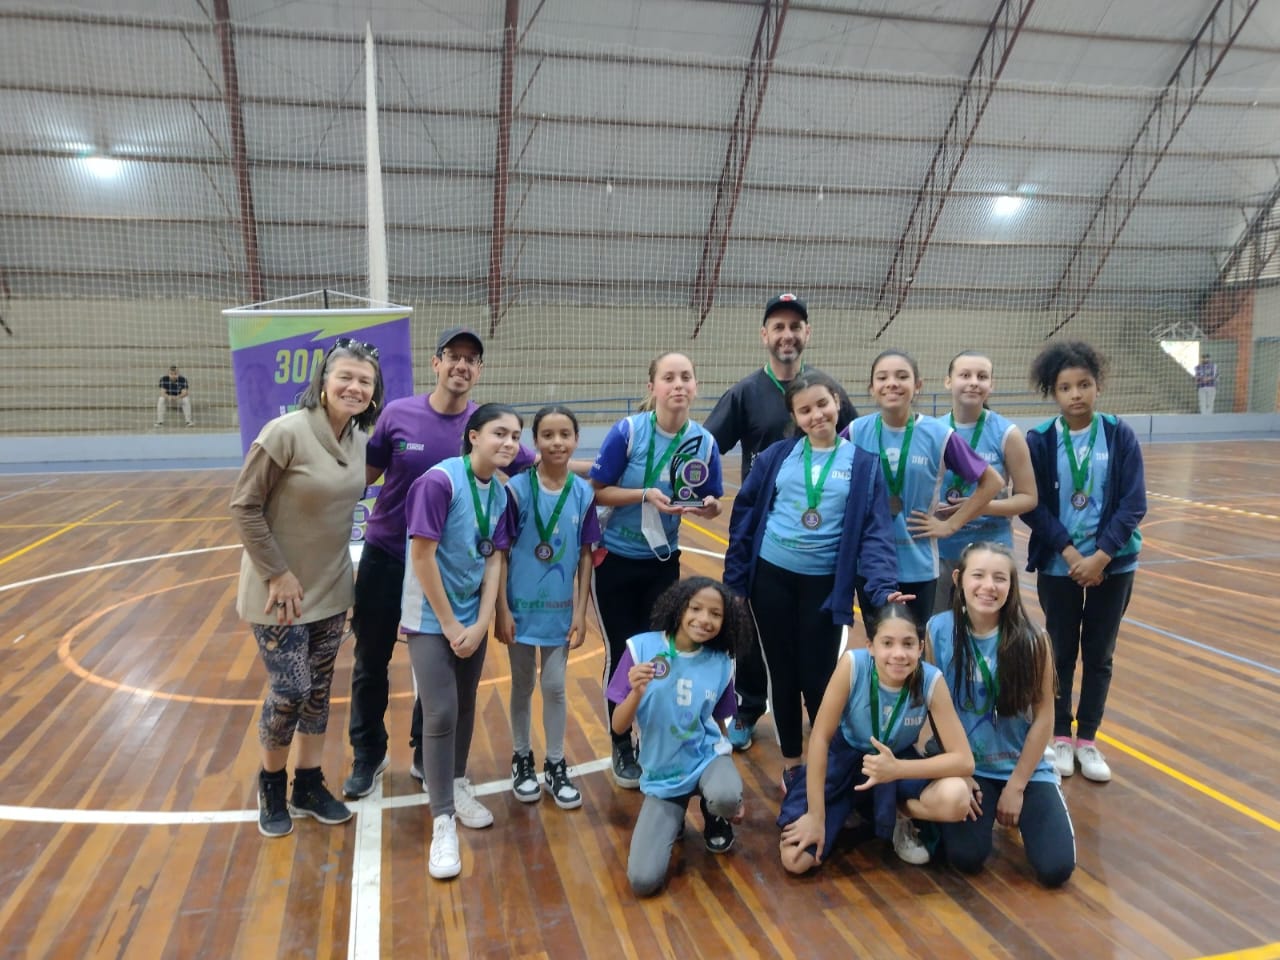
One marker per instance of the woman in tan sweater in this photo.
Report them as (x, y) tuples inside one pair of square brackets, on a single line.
[(293, 505)]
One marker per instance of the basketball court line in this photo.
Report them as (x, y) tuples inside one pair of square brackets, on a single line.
[(26, 490), (67, 528)]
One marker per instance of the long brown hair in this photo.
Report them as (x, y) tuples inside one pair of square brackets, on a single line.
[(1022, 651)]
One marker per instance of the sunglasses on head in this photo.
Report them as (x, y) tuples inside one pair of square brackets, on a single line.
[(347, 343)]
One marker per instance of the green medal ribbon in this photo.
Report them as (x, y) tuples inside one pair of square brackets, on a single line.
[(895, 479), (776, 382), (875, 708), (958, 484), (813, 491), (652, 470), (988, 681), (544, 532), (1079, 469), (482, 516)]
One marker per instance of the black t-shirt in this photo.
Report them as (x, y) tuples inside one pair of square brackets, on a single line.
[(754, 414), (173, 386)]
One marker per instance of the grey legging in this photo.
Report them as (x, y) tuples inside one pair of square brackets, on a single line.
[(660, 820), (523, 674), (447, 687)]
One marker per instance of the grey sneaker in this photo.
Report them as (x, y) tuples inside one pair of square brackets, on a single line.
[(626, 769)]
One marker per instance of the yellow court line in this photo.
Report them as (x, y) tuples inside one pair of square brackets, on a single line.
[(57, 533), (1268, 951), (1193, 783), (115, 523), (705, 532), (1212, 506)]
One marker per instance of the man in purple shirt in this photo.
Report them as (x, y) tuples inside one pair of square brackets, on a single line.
[(413, 434)]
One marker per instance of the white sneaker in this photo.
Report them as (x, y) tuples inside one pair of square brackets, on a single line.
[(1050, 755), (470, 811), (1064, 757), (1092, 763), (445, 862), (906, 842)]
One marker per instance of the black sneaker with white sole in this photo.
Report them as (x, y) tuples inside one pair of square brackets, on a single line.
[(626, 769), (273, 808), (563, 792), (364, 775), (524, 779), (311, 798), (717, 832)]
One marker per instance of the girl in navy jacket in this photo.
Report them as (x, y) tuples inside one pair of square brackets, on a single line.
[(810, 524), (1084, 540)]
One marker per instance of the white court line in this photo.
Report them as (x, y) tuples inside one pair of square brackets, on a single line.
[(18, 493), (116, 563), (364, 927)]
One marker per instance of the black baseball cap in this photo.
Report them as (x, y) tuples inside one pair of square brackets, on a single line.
[(453, 333), (786, 301)]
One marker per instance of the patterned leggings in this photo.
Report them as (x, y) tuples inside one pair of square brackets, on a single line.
[(299, 659)]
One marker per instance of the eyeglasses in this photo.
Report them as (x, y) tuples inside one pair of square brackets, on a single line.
[(347, 343), (471, 360)]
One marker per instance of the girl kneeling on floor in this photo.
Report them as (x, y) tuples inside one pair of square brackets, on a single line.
[(676, 683), (862, 750)]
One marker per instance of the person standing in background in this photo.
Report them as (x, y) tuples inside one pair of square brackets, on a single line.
[(1206, 383), (754, 414)]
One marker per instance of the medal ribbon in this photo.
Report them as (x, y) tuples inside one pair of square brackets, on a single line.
[(545, 532), (875, 708), (813, 491), (482, 516), (776, 382), (1079, 469), (652, 470), (895, 479), (958, 483), (992, 685)]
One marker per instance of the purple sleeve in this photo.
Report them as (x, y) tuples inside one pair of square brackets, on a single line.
[(612, 458), (847, 432), (525, 458), (510, 525), (963, 460), (427, 506), (727, 706), (502, 538), (620, 686), (591, 532)]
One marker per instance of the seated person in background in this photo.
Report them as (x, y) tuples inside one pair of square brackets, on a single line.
[(173, 391)]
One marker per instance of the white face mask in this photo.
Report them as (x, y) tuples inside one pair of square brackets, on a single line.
[(654, 533)]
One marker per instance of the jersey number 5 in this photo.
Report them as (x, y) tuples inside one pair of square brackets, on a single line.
[(684, 692)]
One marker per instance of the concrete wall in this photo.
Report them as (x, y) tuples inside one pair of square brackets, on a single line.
[(91, 366)]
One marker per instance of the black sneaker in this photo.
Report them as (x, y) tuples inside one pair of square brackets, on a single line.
[(273, 811), (524, 781), (626, 769), (717, 832), (311, 798), (561, 788), (363, 775)]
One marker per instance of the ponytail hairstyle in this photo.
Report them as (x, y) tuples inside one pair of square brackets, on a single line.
[(1022, 651), (900, 611), (972, 353)]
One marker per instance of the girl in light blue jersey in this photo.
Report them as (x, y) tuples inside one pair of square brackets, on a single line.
[(862, 750), (999, 442), (676, 684), (652, 469), (915, 453), (453, 519), (999, 668), (542, 604)]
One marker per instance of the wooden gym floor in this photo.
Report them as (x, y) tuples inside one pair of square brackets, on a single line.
[(129, 695)]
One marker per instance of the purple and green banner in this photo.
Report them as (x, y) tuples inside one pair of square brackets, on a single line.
[(274, 354)]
